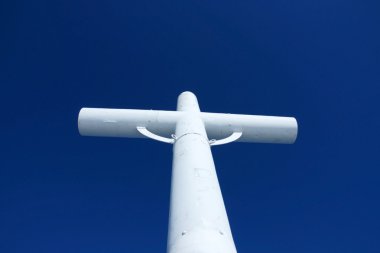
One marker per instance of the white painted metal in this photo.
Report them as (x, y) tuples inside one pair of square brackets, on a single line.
[(123, 123), (233, 137), (153, 136), (198, 220)]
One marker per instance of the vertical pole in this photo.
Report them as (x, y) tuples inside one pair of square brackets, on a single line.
[(198, 220)]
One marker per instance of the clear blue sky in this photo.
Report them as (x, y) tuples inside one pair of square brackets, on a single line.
[(318, 61)]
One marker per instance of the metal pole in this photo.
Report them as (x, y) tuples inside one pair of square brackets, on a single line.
[(198, 221)]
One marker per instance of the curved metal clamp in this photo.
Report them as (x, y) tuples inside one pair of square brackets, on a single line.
[(233, 137), (149, 134)]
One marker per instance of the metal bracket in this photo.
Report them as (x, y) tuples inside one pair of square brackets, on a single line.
[(233, 137), (153, 136)]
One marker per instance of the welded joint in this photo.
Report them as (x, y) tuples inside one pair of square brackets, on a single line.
[(186, 134)]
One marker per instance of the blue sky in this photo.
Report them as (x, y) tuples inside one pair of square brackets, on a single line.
[(318, 61)]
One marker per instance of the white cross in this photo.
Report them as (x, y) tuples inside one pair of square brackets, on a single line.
[(198, 220)]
